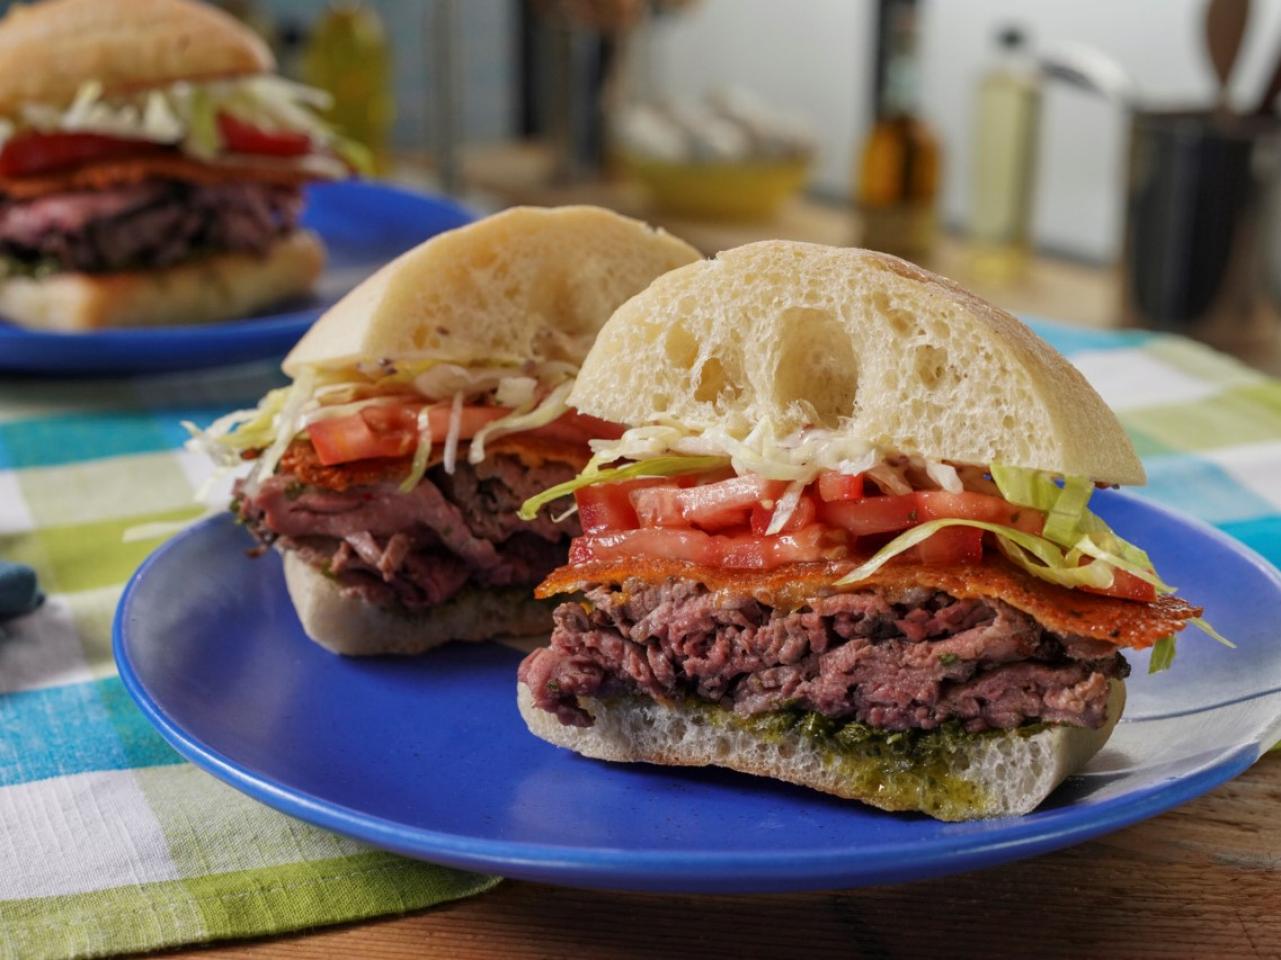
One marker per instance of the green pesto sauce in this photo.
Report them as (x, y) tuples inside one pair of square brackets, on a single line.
[(894, 770), (12, 268)]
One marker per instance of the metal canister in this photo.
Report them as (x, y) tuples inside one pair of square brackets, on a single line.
[(1199, 204)]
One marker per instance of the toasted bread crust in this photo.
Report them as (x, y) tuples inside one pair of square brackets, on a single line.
[(883, 354), (526, 284), (349, 626), (220, 287), (122, 44), (1000, 775)]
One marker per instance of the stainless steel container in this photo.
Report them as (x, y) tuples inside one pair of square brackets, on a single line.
[(1199, 211)]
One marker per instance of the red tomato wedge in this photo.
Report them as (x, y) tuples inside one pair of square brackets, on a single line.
[(241, 137), (30, 153), (839, 486), (1126, 586), (389, 430)]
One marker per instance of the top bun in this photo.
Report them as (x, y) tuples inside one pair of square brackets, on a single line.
[(524, 284), (870, 346), (47, 50)]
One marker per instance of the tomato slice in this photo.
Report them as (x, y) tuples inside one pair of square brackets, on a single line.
[(711, 506), (239, 136), (743, 551), (693, 546), (805, 513), (390, 430), (728, 502), (814, 542), (939, 504), (30, 153), (749, 551), (1126, 586), (343, 439), (871, 515), (839, 486), (607, 507), (951, 545)]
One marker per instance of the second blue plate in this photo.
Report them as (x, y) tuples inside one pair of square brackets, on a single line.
[(363, 225)]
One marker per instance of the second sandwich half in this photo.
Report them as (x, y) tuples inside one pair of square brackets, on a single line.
[(425, 407)]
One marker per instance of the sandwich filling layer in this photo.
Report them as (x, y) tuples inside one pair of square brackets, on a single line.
[(893, 660), (410, 549), (146, 225)]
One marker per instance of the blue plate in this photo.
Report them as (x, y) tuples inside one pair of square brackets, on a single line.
[(429, 757), (363, 224)]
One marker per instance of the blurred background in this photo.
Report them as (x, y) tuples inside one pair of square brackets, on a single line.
[(1097, 162)]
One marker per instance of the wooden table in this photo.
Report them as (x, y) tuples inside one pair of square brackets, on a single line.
[(1200, 881)]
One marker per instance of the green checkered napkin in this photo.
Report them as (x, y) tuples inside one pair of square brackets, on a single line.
[(110, 843)]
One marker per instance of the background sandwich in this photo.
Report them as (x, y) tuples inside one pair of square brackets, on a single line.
[(426, 405), (831, 547), (151, 166)]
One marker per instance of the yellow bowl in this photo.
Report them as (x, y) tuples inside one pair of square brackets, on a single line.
[(752, 190)]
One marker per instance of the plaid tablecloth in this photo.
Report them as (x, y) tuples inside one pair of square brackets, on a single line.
[(109, 842)]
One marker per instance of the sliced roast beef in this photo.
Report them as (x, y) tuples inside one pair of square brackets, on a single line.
[(416, 549), (913, 661), (146, 225)]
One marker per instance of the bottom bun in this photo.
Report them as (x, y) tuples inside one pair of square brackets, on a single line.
[(964, 778), (222, 286), (348, 625)]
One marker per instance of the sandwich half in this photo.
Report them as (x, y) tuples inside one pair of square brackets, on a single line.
[(151, 167), (425, 407), (844, 542)]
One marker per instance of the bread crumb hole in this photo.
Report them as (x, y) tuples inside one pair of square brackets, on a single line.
[(816, 368), (930, 364), (680, 347), (722, 747), (713, 383)]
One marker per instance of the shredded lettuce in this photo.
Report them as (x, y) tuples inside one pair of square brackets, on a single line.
[(1162, 655), (751, 449), (1064, 515), (285, 425), (670, 466), (202, 139), (422, 452), (229, 436), (785, 507), (1071, 534), (551, 408), (185, 114), (1034, 554), (451, 435)]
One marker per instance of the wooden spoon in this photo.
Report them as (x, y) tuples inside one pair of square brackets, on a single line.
[(1225, 22)]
